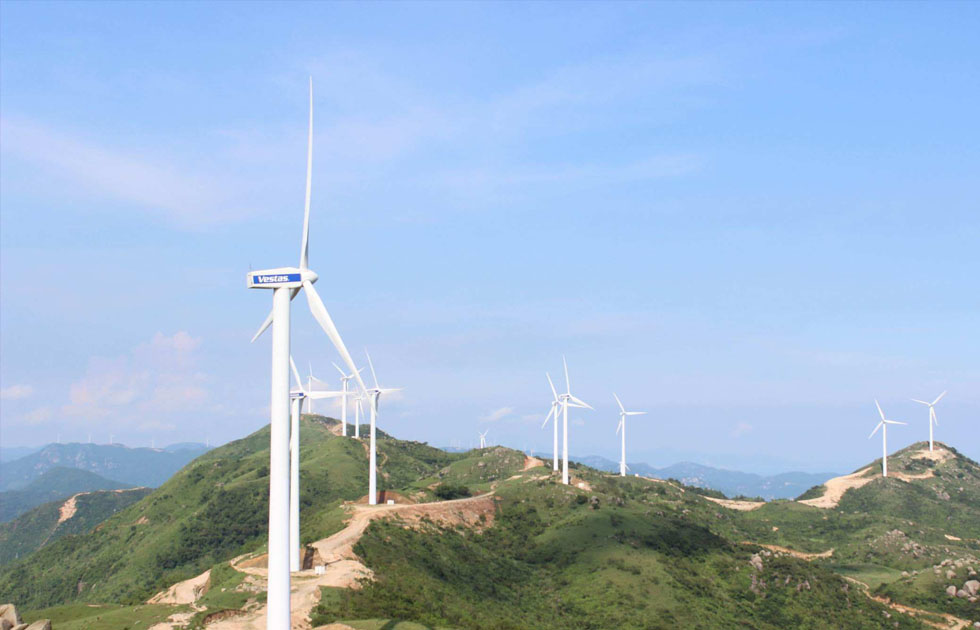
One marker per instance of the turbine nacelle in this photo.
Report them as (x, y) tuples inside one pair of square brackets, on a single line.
[(280, 277)]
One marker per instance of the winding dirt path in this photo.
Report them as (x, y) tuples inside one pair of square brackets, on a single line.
[(836, 487), (952, 622), (802, 555), (741, 506), (342, 567)]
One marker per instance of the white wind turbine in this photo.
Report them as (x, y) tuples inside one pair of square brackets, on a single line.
[(567, 400), (932, 414), (553, 413), (344, 379), (375, 395), (297, 397), (622, 427), (483, 438), (883, 425), (286, 283)]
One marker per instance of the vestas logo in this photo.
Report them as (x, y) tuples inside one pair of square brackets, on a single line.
[(275, 279)]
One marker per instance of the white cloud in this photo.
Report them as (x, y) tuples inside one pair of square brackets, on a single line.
[(741, 429), (16, 392), (156, 379), (497, 414), (38, 416), (183, 194)]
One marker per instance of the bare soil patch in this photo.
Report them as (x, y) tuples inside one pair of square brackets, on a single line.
[(836, 487), (741, 506)]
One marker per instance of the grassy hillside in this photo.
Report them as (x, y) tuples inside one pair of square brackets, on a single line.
[(626, 553), (135, 466), (210, 511), (923, 520), (51, 521), (54, 484)]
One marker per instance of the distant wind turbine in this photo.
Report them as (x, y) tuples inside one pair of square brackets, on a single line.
[(567, 400), (374, 394), (553, 415), (344, 379), (622, 427), (286, 283), (932, 414), (883, 425), (483, 439), (297, 397)]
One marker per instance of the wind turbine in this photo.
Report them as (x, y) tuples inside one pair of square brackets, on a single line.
[(932, 414), (297, 397), (375, 394), (483, 438), (567, 400), (883, 425), (286, 283), (622, 427), (344, 379), (553, 413)]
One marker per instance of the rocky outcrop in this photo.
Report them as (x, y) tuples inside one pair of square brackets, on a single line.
[(10, 620)]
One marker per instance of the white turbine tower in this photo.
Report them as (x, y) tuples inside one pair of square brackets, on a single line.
[(297, 397), (883, 425), (567, 400), (344, 379), (375, 395), (553, 413), (483, 438), (286, 283), (932, 414), (622, 427)]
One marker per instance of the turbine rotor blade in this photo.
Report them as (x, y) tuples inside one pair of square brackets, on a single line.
[(581, 403), (268, 320), (880, 424), (304, 252), (299, 381), (894, 422), (636, 413), (619, 402), (619, 426), (554, 393), (342, 373), (568, 384), (880, 412), (323, 318), (938, 398), (921, 402), (548, 417), (370, 363)]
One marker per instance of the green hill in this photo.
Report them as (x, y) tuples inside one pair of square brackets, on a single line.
[(898, 535), (52, 485), (78, 514), (210, 511), (605, 552), (134, 466)]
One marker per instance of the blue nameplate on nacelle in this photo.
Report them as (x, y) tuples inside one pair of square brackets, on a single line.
[(275, 278), (297, 395)]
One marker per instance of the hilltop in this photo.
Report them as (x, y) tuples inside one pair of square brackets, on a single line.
[(908, 537), (732, 483), (523, 550), (77, 514), (134, 466), (52, 485)]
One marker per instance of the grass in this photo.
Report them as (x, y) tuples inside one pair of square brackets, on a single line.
[(103, 616)]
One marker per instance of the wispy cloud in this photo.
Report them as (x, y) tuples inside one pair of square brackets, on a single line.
[(497, 414), (16, 392), (156, 379), (185, 194), (741, 429)]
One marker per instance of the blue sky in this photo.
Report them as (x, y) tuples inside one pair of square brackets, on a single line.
[(749, 220)]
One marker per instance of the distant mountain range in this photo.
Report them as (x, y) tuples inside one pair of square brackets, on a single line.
[(55, 484), (731, 482), (129, 466)]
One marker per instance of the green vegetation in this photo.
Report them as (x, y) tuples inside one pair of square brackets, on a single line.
[(103, 616), (43, 524), (55, 484), (210, 511), (630, 555)]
